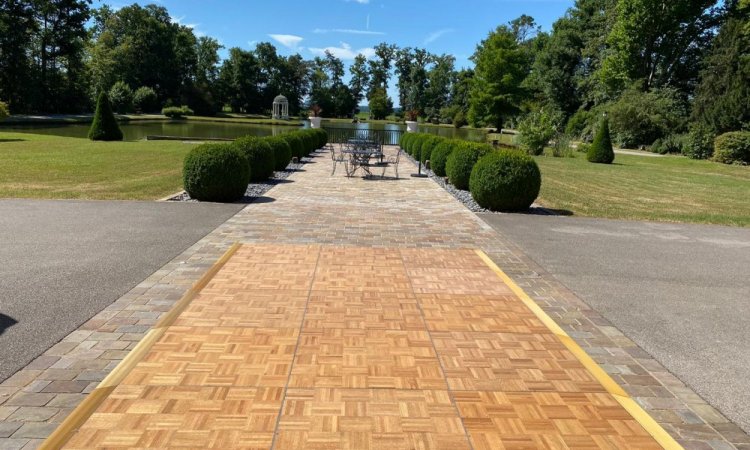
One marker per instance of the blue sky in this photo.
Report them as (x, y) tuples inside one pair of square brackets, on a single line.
[(348, 27)]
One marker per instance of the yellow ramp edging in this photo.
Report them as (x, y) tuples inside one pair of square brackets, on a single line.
[(631, 406), (86, 408)]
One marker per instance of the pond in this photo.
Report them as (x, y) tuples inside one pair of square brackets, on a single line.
[(138, 130)]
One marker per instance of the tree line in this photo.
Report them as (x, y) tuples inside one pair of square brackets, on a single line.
[(655, 67)]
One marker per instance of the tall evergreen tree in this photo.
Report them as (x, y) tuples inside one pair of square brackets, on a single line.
[(497, 87), (104, 127), (16, 27), (722, 99)]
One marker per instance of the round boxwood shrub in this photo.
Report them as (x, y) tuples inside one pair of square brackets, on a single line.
[(733, 148), (321, 137), (104, 127), (259, 154), (414, 143), (404, 139), (216, 173), (428, 144), (282, 152), (461, 162), (440, 156), (505, 180), (601, 149), (308, 141), (296, 144)]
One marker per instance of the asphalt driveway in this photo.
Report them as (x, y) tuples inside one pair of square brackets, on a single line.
[(61, 262), (681, 292)]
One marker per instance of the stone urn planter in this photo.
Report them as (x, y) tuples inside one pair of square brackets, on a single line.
[(315, 122), (411, 126)]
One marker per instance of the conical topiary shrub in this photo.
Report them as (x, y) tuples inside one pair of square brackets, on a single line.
[(104, 127), (601, 150)]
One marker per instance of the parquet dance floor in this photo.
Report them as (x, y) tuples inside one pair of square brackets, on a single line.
[(317, 347)]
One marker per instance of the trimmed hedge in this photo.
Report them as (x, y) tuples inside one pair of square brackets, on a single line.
[(428, 144), (461, 162), (440, 156), (177, 112), (295, 143), (216, 173), (733, 148), (282, 152), (601, 149), (309, 141), (404, 139), (321, 137), (505, 180), (260, 156), (104, 127), (413, 142)]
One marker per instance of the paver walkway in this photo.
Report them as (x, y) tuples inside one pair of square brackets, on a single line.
[(313, 208), (292, 347)]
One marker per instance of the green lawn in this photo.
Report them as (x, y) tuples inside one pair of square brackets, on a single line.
[(673, 189), (37, 166)]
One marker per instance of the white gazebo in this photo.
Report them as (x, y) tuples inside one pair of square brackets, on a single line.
[(280, 108)]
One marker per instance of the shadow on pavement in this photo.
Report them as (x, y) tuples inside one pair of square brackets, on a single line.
[(6, 322)]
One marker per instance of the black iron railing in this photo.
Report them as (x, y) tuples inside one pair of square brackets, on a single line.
[(343, 135)]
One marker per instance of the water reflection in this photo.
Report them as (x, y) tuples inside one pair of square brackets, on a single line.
[(134, 131)]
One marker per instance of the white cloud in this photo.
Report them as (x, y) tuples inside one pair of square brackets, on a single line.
[(179, 21), (287, 40), (344, 52), (348, 31), (432, 37), (361, 2)]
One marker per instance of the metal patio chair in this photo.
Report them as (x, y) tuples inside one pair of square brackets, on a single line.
[(339, 157), (393, 161)]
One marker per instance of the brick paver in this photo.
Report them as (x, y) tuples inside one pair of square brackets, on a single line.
[(386, 382), (313, 208)]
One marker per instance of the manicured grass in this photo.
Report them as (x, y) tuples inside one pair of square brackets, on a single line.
[(672, 189), (39, 166)]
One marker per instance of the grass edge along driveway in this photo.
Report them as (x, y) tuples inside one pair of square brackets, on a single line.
[(668, 189), (54, 167)]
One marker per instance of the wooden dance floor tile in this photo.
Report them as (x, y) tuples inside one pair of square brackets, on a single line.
[(200, 356), (501, 314), (352, 358), (174, 416), (498, 420), (457, 282), (310, 347), (361, 278), (415, 258), (281, 309), (373, 257), (361, 419), (511, 362), (357, 312)]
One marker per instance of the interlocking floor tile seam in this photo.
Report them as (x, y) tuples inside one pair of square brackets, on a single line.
[(440, 362), (294, 356)]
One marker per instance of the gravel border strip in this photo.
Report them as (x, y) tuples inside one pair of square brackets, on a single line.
[(465, 196), (254, 190)]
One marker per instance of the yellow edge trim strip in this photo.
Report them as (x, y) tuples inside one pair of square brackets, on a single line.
[(639, 414), (86, 408)]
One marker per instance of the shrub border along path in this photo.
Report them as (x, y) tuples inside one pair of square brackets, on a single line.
[(316, 208)]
